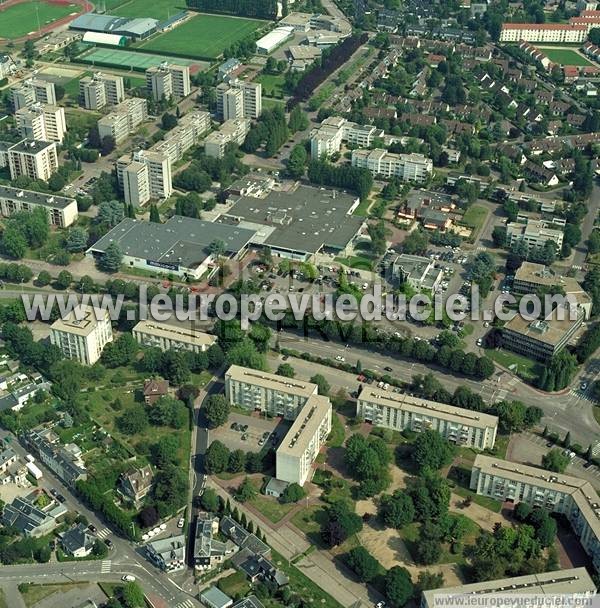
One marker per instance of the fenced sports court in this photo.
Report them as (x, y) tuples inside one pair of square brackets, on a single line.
[(127, 60)]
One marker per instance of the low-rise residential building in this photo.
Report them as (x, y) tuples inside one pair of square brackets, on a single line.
[(239, 99), (154, 389), (172, 337), (209, 551), (81, 335), (100, 90), (407, 167), (64, 461), (258, 568), (571, 582), (418, 271), (35, 159), (77, 541), (399, 411), (213, 597), (543, 32), (31, 91), (62, 211), (136, 484), (188, 133), (301, 445), (42, 122), (232, 131), (534, 233), (242, 538), (573, 497), (168, 80), (28, 519), (168, 554), (124, 120), (180, 246)]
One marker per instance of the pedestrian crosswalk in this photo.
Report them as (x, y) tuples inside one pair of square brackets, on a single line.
[(581, 395), (105, 569), (186, 604), (103, 533)]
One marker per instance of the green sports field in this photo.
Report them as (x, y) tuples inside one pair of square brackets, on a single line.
[(128, 60), (565, 56), (203, 36), (156, 9), (22, 19)]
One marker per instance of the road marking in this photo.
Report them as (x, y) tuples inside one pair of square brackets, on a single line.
[(103, 533), (105, 566), (186, 604)]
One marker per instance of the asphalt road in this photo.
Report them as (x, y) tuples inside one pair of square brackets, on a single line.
[(571, 412)]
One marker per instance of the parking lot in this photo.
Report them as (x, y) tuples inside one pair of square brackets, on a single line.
[(246, 432)]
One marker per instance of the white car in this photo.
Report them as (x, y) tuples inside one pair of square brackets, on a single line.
[(340, 358), (479, 342), (128, 578), (181, 522)]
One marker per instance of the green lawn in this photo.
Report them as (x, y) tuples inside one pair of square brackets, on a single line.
[(22, 19), (338, 434), (459, 477), (363, 208), (36, 593), (565, 57), (475, 216), (309, 519), (272, 84), (522, 366), (234, 585), (157, 9), (319, 98), (357, 261), (270, 507), (203, 36)]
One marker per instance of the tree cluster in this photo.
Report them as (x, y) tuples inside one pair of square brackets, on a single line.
[(357, 179), (258, 9), (367, 460)]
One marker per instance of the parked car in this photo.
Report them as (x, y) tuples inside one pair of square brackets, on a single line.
[(92, 529), (108, 543), (128, 578), (387, 368), (60, 498)]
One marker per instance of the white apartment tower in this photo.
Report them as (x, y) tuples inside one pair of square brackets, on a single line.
[(30, 91), (81, 335), (124, 119), (168, 80), (42, 122), (136, 183), (33, 158), (247, 105), (101, 90)]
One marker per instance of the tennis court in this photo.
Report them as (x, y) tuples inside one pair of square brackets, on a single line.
[(128, 60)]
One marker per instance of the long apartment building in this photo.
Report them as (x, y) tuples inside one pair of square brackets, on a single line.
[(407, 167), (100, 90), (168, 80), (42, 122), (31, 91), (293, 400), (328, 137), (33, 158), (534, 233), (239, 99), (62, 211), (232, 131), (125, 118), (574, 582), (172, 337), (543, 32), (82, 336), (148, 173), (573, 497), (399, 411)]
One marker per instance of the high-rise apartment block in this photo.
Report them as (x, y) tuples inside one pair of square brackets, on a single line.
[(32, 91), (151, 180), (124, 119), (239, 99), (231, 131), (407, 167), (33, 158), (42, 122), (81, 335), (168, 80), (101, 90)]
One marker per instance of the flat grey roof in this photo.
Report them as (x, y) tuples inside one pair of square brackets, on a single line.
[(180, 240), (31, 146), (52, 201), (305, 220)]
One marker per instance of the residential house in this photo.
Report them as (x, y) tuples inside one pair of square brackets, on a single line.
[(208, 550), (77, 541), (258, 568), (28, 519), (136, 484), (168, 554), (154, 389)]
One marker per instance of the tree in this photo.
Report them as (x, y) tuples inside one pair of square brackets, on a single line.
[(237, 461), (322, 384), (246, 491), (298, 120), (293, 493), (133, 421), (398, 586), (217, 248), (216, 458), (286, 370), (154, 214), (13, 242), (429, 580), (296, 164), (77, 239), (522, 511), (216, 410), (44, 278), (168, 121), (112, 259), (429, 546), (363, 564), (567, 440), (133, 596), (63, 280), (555, 460), (430, 495), (396, 510), (340, 524), (210, 501), (432, 451)]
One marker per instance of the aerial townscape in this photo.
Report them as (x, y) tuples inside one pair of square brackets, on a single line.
[(251, 154)]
